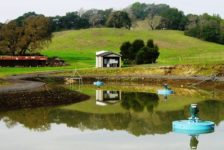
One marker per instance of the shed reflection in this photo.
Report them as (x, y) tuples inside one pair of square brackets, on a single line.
[(106, 97)]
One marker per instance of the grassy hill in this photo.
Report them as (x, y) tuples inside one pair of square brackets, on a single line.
[(78, 47)]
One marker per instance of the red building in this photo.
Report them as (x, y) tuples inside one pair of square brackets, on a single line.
[(12, 61)]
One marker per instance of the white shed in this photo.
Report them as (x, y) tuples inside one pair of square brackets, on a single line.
[(107, 59)]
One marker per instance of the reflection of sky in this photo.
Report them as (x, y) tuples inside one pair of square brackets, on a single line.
[(60, 137)]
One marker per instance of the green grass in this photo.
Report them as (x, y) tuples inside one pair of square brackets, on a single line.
[(8, 71), (78, 47)]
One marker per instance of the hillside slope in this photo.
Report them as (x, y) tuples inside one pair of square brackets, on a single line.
[(78, 47)]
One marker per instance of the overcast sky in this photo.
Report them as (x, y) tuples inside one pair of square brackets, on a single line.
[(10, 9)]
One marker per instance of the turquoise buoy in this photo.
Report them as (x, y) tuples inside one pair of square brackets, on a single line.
[(193, 126), (98, 83), (165, 92)]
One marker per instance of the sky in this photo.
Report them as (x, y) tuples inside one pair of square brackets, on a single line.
[(11, 9)]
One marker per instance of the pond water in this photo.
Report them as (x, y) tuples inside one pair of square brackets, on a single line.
[(122, 117)]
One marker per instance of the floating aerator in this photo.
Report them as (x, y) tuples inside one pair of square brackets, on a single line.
[(98, 83), (166, 91), (193, 125)]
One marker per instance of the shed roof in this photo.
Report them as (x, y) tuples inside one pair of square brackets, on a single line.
[(105, 53)]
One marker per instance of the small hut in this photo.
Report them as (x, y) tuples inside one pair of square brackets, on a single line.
[(106, 59)]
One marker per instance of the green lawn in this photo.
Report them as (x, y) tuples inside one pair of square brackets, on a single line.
[(78, 47), (8, 71)]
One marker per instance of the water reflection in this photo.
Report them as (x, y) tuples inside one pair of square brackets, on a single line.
[(166, 91), (106, 97), (139, 101), (135, 123), (194, 142), (194, 137), (165, 97), (138, 113), (35, 119)]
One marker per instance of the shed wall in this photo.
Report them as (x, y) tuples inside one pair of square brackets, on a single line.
[(99, 62)]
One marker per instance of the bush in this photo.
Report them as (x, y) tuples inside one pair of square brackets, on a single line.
[(125, 52), (139, 59), (155, 53), (139, 53), (136, 46), (150, 43)]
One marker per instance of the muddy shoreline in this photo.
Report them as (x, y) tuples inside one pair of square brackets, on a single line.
[(33, 90), (24, 93), (36, 81), (181, 81), (51, 96), (198, 82)]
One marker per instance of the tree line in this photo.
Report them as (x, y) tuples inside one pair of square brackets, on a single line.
[(157, 16), (91, 18), (205, 27), (162, 16), (32, 31)]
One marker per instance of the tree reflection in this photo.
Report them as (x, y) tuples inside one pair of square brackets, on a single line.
[(34, 119), (137, 124), (9, 122), (211, 110), (138, 101)]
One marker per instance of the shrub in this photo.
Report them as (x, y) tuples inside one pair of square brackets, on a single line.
[(136, 46), (139, 59), (139, 53), (125, 52)]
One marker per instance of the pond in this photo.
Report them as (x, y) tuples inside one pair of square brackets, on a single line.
[(123, 117)]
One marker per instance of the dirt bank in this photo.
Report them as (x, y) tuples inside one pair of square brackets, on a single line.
[(183, 75), (145, 70), (178, 81), (18, 83), (181, 81), (3, 83), (23, 93), (48, 97)]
